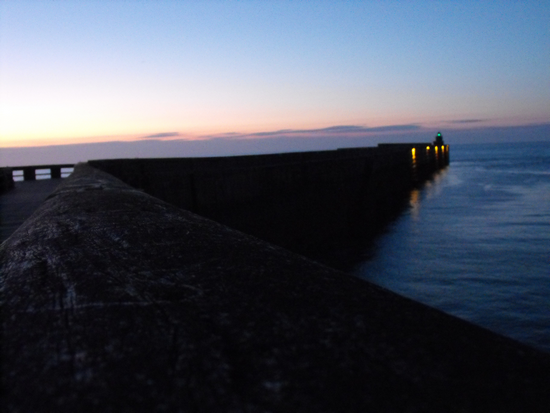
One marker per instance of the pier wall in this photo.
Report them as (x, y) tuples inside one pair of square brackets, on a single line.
[(113, 300), (307, 202)]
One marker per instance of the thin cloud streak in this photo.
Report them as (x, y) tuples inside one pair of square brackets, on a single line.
[(461, 121), (332, 131), (161, 135)]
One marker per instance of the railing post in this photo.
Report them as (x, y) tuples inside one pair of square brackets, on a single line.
[(29, 174), (6, 179), (55, 172)]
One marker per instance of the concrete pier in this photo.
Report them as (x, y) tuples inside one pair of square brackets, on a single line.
[(113, 300), (309, 202)]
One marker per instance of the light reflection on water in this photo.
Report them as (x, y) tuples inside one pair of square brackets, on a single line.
[(476, 242), (414, 203)]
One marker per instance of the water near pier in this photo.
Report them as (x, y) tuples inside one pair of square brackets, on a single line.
[(475, 241)]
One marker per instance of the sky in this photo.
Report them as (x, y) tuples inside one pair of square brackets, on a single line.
[(89, 72)]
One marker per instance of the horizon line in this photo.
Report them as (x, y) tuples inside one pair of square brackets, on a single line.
[(343, 131)]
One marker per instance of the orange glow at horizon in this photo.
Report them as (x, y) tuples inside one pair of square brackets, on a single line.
[(91, 72), (17, 132)]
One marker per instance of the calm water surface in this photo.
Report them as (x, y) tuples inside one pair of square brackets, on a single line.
[(475, 241)]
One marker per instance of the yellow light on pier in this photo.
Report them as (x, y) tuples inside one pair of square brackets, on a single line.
[(413, 153)]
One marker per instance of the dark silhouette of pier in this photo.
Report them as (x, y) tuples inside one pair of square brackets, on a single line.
[(136, 286)]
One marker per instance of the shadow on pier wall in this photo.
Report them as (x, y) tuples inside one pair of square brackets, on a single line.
[(312, 203)]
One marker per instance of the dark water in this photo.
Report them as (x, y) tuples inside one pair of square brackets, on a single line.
[(475, 241)]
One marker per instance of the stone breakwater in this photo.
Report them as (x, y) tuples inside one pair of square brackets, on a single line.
[(113, 300), (308, 202)]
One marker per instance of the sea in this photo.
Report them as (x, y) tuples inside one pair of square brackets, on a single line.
[(475, 241)]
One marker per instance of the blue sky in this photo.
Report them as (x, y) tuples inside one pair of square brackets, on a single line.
[(97, 71)]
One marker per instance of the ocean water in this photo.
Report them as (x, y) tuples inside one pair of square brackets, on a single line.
[(475, 241)]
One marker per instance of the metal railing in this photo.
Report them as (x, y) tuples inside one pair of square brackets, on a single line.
[(36, 172)]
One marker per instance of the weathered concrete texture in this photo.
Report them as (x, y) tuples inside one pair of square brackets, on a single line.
[(309, 202), (116, 301)]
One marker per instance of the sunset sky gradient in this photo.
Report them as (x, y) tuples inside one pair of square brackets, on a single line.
[(97, 71)]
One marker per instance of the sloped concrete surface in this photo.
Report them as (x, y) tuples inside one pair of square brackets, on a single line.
[(115, 301)]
